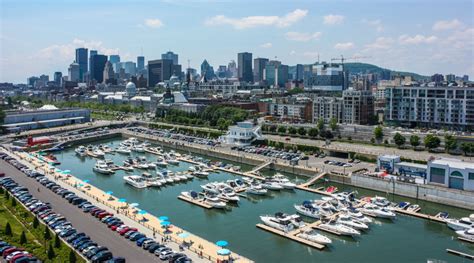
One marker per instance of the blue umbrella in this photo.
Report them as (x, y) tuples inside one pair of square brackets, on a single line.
[(122, 200), (222, 243), (134, 204), (109, 192), (183, 235), (81, 185), (66, 171), (86, 181), (142, 212), (165, 223), (163, 218), (223, 252)]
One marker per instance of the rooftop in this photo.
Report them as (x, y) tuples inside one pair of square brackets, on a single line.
[(454, 163)]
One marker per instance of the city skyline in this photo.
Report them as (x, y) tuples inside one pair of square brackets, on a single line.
[(41, 37)]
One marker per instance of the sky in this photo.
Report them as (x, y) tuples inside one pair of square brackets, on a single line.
[(423, 36)]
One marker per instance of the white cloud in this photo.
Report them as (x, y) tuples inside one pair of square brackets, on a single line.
[(333, 19), (255, 21), (381, 43), (377, 24), (66, 52), (344, 46), (302, 36), (153, 22), (447, 25), (266, 45), (417, 39)]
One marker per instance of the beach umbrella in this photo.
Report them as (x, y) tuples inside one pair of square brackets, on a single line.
[(81, 185), (165, 223), (134, 204), (222, 243), (142, 212), (58, 170), (66, 172), (183, 235), (86, 181), (223, 252), (163, 218), (109, 192), (122, 200)]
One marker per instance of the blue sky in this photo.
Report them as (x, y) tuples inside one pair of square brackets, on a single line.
[(426, 37)]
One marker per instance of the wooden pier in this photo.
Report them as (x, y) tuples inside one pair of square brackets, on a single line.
[(196, 202), (291, 236), (420, 215), (317, 191), (466, 240), (313, 179), (459, 253)]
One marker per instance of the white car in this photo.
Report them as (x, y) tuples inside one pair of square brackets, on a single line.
[(166, 254)]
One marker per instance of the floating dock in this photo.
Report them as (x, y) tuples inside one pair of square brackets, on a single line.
[(291, 236), (420, 215), (459, 253), (466, 240), (317, 191), (196, 202)]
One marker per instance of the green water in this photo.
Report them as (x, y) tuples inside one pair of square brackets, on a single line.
[(407, 239)]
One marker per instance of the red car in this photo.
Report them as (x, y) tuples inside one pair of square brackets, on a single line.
[(104, 214), (127, 230), (9, 251), (12, 260), (114, 228)]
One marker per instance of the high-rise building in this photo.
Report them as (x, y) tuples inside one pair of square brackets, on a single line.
[(244, 68), (465, 78), (109, 74), (73, 72), (81, 59), (140, 63), (259, 68), (114, 59), (170, 55), (130, 68), (276, 74), (222, 71), (327, 108), (232, 69), (358, 107), (437, 78), (299, 72), (450, 77), (58, 76), (326, 77), (91, 54), (207, 70), (97, 67), (159, 70)]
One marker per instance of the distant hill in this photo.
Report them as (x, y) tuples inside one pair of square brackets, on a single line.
[(364, 68)]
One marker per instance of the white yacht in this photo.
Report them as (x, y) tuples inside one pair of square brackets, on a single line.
[(201, 173), (256, 189), (467, 234), (357, 215), (123, 150), (81, 151), (138, 149), (102, 167), (98, 153), (172, 161), (281, 223), (210, 187), (315, 237), (270, 185), (307, 209), (340, 228), (161, 162), (213, 201), (350, 222), (464, 223), (380, 201), (283, 181), (153, 181), (227, 194), (376, 211), (192, 194), (135, 181)]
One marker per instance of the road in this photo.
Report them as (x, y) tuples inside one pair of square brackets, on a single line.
[(118, 245)]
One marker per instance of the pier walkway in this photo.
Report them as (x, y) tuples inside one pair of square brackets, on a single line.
[(261, 166)]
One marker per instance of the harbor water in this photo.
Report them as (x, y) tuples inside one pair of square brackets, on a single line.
[(406, 239)]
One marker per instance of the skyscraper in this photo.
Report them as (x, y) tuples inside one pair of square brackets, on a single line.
[(73, 72), (232, 69), (170, 55), (91, 53), (299, 72), (109, 74), (130, 67), (81, 59), (140, 63), (114, 59), (97, 67), (207, 70), (58, 75), (158, 71), (244, 61), (259, 68)]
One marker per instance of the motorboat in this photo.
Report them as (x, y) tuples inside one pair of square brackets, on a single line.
[(380, 201), (256, 189), (281, 223), (138, 148), (98, 153), (413, 208), (210, 187), (127, 168), (339, 228), (135, 181), (357, 215), (192, 195), (403, 205), (201, 173), (123, 150), (213, 200), (270, 185), (237, 184), (105, 148), (151, 165), (153, 181), (283, 181), (81, 151), (350, 222), (464, 223), (315, 237), (227, 194), (307, 209), (146, 175), (102, 167), (161, 162), (172, 161), (467, 234), (376, 211)]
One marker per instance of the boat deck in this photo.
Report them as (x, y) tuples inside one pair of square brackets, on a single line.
[(291, 236), (196, 202)]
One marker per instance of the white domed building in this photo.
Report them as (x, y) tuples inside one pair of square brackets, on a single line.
[(130, 89)]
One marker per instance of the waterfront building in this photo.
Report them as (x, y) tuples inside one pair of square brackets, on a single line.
[(358, 107), (387, 162), (452, 173), (97, 67), (259, 68), (171, 56), (294, 109), (327, 108), (326, 77), (158, 71), (433, 107), (244, 133), (81, 59), (74, 72), (244, 68)]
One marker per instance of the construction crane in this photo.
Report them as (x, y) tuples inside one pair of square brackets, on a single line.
[(342, 59)]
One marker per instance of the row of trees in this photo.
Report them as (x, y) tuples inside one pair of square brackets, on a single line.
[(302, 131), (431, 142)]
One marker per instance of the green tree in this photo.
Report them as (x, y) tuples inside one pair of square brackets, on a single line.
[(450, 143), (399, 139), (333, 124), (8, 229), (35, 222), (432, 142), (296, 90), (281, 129), (22, 238), (57, 241), (292, 130), (47, 234), (378, 133), (72, 256), (414, 140), (320, 125), (1, 190), (13, 202), (50, 252), (7, 195), (313, 132), (467, 148), (301, 131), (272, 128)]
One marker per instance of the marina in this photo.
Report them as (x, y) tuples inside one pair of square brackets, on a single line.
[(238, 221)]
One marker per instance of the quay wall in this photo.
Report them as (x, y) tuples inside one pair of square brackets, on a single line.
[(436, 194)]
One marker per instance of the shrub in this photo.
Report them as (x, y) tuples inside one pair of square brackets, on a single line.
[(50, 252), (8, 229), (22, 237)]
